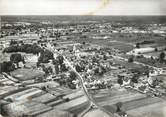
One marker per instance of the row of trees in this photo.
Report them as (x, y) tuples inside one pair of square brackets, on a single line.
[(27, 48)]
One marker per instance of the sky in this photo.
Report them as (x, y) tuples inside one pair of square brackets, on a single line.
[(82, 7)]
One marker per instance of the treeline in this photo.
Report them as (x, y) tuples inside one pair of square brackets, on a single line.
[(27, 48)]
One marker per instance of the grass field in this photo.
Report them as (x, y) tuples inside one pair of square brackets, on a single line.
[(125, 41), (127, 64), (26, 74), (153, 110)]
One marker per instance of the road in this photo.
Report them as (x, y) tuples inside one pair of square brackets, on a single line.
[(89, 97)]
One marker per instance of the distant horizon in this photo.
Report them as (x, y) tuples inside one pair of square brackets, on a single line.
[(82, 18)]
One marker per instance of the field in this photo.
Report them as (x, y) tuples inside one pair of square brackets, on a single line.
[(153, 110), (128, 65), (26, 74), (135, 104), (147, 61), (126, 41), (123, 47)]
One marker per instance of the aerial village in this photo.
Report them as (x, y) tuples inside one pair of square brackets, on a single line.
[(82, 70)]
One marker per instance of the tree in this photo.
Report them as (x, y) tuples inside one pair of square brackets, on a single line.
[(72, 75), (46, 70), (162, 56), (83, 43), (134, 79), (56, 68), (13, 42), (78, 68), (55, 44), (118, 105), (6, 66), (9, 100), (60, 59), (69, 80), (155, 49), (137, 45), (45, 56), (147, 73), (130, 60), (120, 80), (16, 58), (104, 57)]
